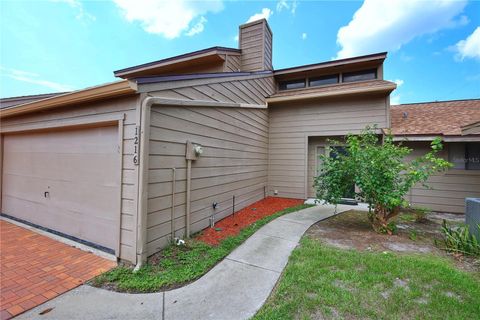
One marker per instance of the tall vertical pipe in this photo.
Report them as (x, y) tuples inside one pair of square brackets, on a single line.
[(174, 179), (187, 204)]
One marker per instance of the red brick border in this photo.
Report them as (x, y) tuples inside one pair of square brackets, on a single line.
[(35, 269)]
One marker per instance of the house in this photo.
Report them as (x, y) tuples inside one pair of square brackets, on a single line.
[(182, 142), (457, 123)]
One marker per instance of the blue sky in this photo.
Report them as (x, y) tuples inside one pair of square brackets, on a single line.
[(58, 45)]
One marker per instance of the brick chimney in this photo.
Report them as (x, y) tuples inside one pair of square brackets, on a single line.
[(255, 41)]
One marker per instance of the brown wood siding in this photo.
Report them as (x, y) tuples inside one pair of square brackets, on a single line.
[(448, 190), (292, 124), (232, 63), (256, 44), (234, 162), (127, 106)]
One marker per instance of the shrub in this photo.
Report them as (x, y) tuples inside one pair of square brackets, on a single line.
[(421, 213), (380, 171), (460, 240)]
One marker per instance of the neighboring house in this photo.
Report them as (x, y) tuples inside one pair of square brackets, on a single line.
[(116, 165), (457, 123)]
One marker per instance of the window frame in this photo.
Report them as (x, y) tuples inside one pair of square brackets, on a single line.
[(359, 73), (286, 82), (324, 77)]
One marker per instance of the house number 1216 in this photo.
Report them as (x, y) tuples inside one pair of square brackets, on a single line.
[(136, 145)]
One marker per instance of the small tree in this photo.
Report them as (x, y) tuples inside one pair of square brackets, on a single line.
[(381, 172)]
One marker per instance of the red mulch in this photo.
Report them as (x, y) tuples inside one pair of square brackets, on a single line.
[(232, 224)]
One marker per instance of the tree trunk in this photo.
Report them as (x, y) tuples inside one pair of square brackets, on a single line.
[(381, 219)]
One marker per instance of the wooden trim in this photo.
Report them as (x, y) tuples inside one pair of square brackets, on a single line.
[(334, 63), (110, 90), (72, 122), (204, 103), (305, 164), (120, 179), (405, 138), (344, 92)]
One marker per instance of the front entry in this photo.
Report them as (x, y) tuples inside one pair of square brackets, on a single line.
[(333, 152)]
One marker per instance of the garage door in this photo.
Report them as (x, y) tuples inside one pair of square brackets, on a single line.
[(67, 181)]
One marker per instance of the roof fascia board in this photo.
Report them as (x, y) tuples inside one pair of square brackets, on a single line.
[(174, 60), (334, 63), (344, 92), (109, 90), (187, 83), (406, 138)]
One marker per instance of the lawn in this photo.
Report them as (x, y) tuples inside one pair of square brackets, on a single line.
[(323, 281), (175, 265)]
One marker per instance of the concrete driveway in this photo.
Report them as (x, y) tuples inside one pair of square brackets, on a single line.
[(35, 268)]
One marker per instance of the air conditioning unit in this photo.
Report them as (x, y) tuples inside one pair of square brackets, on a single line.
[(472, 215)]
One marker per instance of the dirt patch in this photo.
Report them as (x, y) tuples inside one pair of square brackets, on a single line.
[(352, 230)]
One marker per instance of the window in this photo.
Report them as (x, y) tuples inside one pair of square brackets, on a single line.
[(291, 84), (465, 156), (360, 75), (322, 81)]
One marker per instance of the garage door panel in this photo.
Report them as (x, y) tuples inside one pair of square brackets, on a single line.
[(92, 140), (95, 168), (80, 171)]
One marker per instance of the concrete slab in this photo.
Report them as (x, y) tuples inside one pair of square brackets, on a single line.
[(309, 216), (264, 251), (236, 288), (231, 290), (288, 230), (90, 303)]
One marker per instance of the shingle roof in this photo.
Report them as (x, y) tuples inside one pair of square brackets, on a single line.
[(443, 117)]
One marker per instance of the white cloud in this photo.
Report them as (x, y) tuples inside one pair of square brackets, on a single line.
[(198, 27), (265, 14), (235, 38), (398, 82), (169, 18), (395, 99), (470, 47), (82, 14), (387, 25), (287, 5), (304, 36), (34, 78)]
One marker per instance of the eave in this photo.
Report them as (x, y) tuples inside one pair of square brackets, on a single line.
[(445, 138), (377, 58), (110, 90), (214, 55), (375, 86)]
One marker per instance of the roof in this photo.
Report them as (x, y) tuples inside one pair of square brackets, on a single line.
[(434, 118), (375, 57), (13, 101), (208, 55), (195, 76), (104, 91), (369, 86)]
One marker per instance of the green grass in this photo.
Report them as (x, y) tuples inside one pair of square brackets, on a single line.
[(179, 265), (322, 282)]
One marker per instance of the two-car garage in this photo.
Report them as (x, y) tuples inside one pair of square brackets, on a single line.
[(67, 180)]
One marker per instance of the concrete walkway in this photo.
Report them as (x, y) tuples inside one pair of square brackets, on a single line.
[(236, 288)]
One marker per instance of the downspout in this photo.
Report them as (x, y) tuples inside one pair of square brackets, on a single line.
[(143, 181), (145, 110), (188, 195)]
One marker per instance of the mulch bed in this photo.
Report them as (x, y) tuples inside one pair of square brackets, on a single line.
[(232, 224)]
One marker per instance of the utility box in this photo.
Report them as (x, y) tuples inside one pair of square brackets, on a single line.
[(472, 215), (193, 151)]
